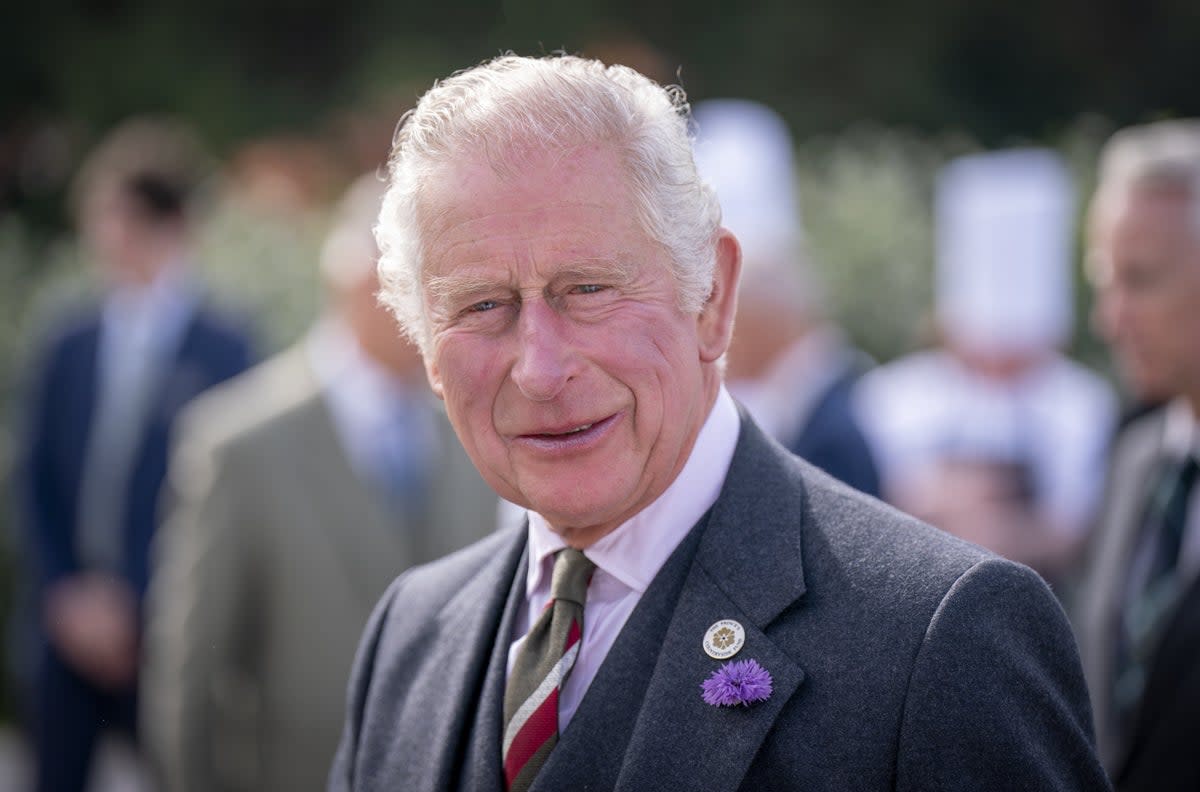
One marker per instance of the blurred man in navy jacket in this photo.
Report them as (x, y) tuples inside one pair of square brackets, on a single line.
[(106, 386)]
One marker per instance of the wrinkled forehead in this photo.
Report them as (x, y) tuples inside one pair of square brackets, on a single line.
[(1142, 222), (591, 177), (1168, 202)]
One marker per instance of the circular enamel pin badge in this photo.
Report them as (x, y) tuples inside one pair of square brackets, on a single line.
[(724, 639)]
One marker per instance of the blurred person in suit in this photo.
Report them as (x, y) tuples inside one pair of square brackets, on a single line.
[(300, 490), (994, 435), (1139, 612), (106, 389), (788, 364), (687, 605)]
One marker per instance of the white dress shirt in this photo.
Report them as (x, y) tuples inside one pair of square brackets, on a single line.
[(365, 399), (628, 558), (141, 328)]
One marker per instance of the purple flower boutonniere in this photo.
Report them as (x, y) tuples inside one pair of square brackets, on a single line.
[(742, 682)]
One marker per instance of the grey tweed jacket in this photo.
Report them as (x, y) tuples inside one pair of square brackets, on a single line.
[(901, 657)]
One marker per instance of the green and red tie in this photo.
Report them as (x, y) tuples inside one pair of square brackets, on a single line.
[(541, 667)]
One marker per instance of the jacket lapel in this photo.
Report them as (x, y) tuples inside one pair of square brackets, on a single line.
[(451, 693), (1103, 601), (743, 564), (359, 529), (177, 374), (679, 741), (1173, 665), (78, 413), (748, 568), (481, 766)]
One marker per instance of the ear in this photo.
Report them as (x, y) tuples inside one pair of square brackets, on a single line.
[(715, 323), (434, 376)]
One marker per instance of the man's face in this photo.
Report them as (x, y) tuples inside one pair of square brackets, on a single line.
[(375, 327), (1145, 264), (107, 228), (117, 237), (571, 376)]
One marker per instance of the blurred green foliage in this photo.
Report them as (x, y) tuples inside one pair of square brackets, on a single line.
[(866, 197), (995, 70), (265, 265)]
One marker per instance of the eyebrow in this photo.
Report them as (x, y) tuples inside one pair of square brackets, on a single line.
[(456, 288), (620, 271), (460, 288)]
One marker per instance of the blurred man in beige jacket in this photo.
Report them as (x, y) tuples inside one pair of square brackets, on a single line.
[(302, 489)]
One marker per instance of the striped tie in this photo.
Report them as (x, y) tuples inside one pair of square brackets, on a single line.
[(541, 667)]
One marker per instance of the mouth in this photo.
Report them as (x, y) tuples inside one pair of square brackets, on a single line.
[(566, 433), (571, 437)]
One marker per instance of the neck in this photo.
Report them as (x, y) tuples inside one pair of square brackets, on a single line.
[(1193, 402), (151, 262)]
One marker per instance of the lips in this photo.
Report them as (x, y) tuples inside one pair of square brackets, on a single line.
[(567, 433), (572, 436)]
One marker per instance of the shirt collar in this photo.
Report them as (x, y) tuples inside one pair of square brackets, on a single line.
[(635, 551), (337, 358), (170, 283), (150, 314), (363, 392), (1180, 437)]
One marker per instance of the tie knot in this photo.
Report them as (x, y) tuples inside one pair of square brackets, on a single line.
[(572, 571)]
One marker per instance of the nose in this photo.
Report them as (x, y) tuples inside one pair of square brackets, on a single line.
[(545, 360)]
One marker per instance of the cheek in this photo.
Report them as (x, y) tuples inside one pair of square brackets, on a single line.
[(471, 376), (1167, 324), (641, 363), (1184, 333), (1146, 316), (663, 372), (657, 338)]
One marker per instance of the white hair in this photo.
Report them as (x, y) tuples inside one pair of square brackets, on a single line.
[(1162, 155), (511, 106)]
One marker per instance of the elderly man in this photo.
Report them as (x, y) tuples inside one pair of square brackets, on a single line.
[(1139, 614), (689, 606)]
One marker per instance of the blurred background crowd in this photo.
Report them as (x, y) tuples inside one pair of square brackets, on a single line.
[(215, 451)]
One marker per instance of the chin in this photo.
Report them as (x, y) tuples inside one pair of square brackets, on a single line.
[(577, 516), (1148, 391)]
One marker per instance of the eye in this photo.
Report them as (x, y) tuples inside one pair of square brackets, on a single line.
[(482, 305), (588, 288)]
